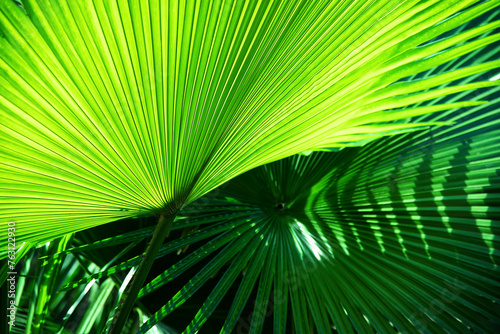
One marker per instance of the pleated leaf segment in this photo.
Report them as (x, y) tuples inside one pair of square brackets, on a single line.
[(119, 109)]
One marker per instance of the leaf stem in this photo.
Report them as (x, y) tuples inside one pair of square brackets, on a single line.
[(130, 296)]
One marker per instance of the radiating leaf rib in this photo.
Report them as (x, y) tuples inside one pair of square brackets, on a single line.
[(280, 287), (191, 259), (230, 275), (187, 291), (246, 286), (263, 305), (167, 249)]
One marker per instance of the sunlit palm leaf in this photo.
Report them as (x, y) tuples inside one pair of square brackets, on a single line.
[(117, 109)]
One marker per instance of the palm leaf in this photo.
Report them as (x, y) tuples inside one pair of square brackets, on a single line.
[(115, 109)]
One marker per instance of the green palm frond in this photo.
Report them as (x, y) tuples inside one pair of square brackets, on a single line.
[(125, 109), (119, 109)]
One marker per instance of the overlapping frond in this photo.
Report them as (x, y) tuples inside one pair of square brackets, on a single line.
[(118, 109)]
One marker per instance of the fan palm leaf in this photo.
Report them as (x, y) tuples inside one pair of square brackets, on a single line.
[(120, 109), (123, 109)]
